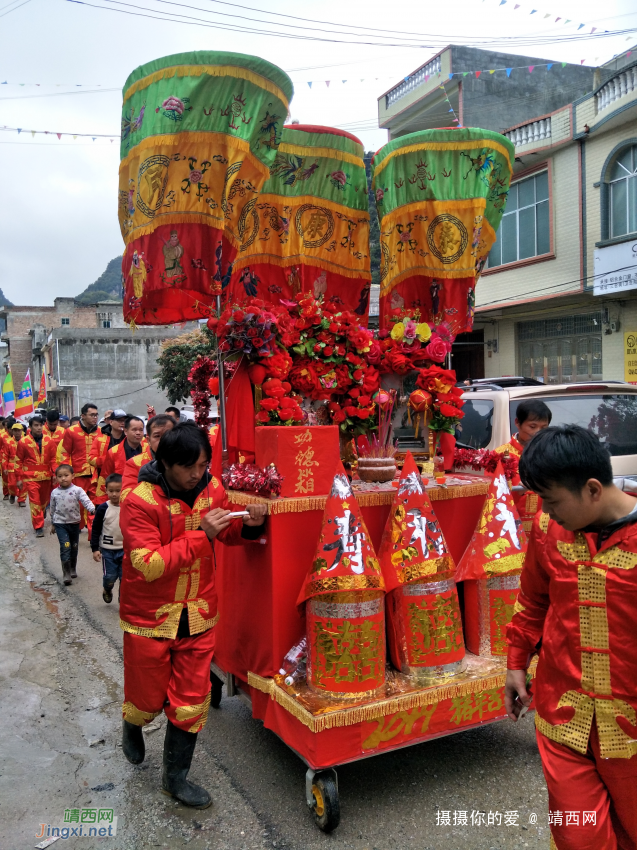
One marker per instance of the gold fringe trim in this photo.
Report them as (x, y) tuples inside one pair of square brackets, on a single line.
[(329, 153), (468, 144), (212, 71), (195, 136), (364, 499), (341, 717), (472, 204), (175, 218), (363, 274), (315, 200)]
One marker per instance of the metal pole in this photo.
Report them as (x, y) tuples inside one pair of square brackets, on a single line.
[(222, 391)]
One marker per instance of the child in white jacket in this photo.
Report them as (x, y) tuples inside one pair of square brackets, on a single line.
[(65, 518)]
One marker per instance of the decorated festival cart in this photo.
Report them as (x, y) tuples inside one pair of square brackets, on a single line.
[(372, 615)]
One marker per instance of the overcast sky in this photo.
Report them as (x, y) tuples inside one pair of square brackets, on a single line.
[(59, 197)]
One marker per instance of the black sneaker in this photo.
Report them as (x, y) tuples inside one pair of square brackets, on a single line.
[(22, 504), (39, 532), (12, 500), (6, 498), (107, 595)]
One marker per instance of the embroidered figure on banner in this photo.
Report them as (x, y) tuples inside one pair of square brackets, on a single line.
[(138, 274), (195, 177), (250, 281), (482, 165), (173, 251)]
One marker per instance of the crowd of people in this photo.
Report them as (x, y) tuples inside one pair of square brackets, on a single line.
[(156, 476)]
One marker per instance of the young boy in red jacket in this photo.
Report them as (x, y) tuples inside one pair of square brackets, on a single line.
[(578, 607)]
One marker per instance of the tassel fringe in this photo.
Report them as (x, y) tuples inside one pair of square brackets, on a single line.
[(341, 717)]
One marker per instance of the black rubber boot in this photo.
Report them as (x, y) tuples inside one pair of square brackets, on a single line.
[(179, 747), (133, 745), (66, 573), (73, 564)]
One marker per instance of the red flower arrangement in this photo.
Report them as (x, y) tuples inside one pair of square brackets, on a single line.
[(484, 460), (277, 407)]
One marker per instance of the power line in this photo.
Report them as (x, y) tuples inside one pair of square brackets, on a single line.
[(15, 8), (59, 94), (442, 40)]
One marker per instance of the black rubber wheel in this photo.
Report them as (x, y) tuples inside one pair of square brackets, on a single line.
[(327, 808), (216, 687)]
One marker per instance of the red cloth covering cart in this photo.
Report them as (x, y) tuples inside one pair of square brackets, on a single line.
[(259, 622)]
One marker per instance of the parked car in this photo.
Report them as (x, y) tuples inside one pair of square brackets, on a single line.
[(607, 408)]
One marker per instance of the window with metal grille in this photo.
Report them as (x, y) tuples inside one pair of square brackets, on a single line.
[(561, 350), (623, 193), (524, 230), (65, 321), (104, 319)]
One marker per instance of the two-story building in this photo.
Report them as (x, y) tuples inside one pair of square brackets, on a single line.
[(558, 298)]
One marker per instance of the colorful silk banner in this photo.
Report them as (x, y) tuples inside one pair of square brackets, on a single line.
[(24, 402), (308, 230), (8, 396), (42, 390), (199, 133), (440, 196)]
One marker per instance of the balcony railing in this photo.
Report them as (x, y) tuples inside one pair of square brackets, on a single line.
[(622, 84), (536, 131), (408, 85)]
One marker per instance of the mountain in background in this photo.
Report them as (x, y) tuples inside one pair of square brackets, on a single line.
[(4, 301), (107, 287)]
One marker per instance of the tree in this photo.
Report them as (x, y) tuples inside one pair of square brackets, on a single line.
[(107, 287), (374, 229), (177, 358)]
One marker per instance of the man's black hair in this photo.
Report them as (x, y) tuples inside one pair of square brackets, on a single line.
[(533, 408), (182, 445), (36, 419), (10, 421), (53, 416), (1, 418), (74, 419), (113, 478), (88, 406), (566, 455), (158, 421), (130, 419), (64, 466), (175, 410)]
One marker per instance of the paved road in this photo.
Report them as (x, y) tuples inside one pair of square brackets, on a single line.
[(60, 656)]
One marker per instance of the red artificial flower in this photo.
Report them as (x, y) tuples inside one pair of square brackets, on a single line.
[(212, 324), (358, 375), (339, 416), (333, 407), (450, 411), (374, 353), (262, 416), (252, 332), (298, 415), (371, 380), (213, 385), (270, 403), (398, 362), (350, 411), (258, 342), (238, 316), (364, 400), (436, 379), (278, 364), (437, 349), (354, 393)]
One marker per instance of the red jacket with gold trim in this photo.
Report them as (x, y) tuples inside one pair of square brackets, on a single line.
[(75, 449), (132, 467), (4, 448), (168, 559), (528, 504), (57, 436), (580, 599), (114, 461), (37, 462)]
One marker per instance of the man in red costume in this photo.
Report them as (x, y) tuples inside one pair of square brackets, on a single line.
[(52, 427), (578, 600), (532, 416), (112, 435), (14, 468), (155, 429), (75, 449), (5, 436), (168, 604), (36, 456), (115, 459)]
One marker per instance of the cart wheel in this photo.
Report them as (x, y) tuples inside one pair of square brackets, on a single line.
[(215, 690), (326, 807)]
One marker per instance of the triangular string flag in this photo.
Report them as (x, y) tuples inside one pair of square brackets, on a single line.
[(499, 543), (580, 26), (310, 84), (549, 66), (508, 70), (531, 68), (327, 83), (478, 73)]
